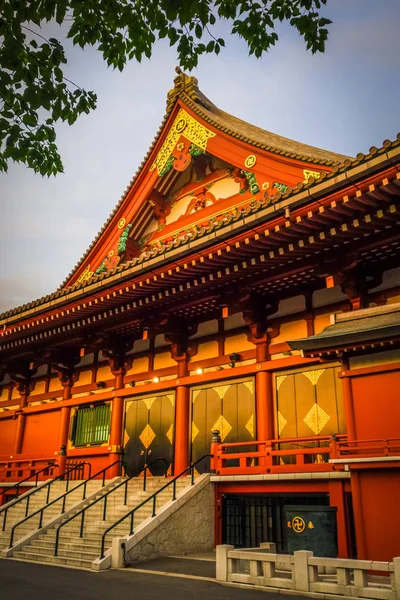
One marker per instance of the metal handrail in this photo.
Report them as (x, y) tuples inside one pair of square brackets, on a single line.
[(154, 499), (83, 510), (63, 497), (35, 474), (48, 484)]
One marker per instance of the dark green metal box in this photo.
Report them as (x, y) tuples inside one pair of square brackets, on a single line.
[(312, 528)]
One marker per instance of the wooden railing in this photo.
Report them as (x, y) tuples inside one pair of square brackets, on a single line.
[(276, 456), (15, 470), (368, 448)]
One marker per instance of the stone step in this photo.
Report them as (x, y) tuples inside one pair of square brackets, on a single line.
[(69, 545), (78, 554), (85, 564)]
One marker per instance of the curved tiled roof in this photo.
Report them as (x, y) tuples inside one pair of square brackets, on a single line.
[(186, 88), (197, 101)]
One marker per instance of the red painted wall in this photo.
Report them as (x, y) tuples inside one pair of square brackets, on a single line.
[(380, 493), (376, 405), (7, 435), (41, 434)]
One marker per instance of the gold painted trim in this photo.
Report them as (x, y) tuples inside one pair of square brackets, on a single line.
[(189, 128)]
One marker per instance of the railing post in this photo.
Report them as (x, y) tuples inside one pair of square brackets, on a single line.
[(222, 562), (154, 506), (268, 456), (62, 460), (300, 572), (214, 450), (144, 479), (334, 448), (396, 577)]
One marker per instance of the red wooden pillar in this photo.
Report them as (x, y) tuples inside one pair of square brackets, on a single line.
[(359, 522), (181, 460), (264, 406), (336, 498), (19, 434), (349, 408), (117, 418), (20, 429)]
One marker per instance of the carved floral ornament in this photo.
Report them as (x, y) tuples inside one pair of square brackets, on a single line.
[(184, 125)]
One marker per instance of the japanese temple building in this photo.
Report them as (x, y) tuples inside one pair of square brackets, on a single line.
[(245, 284)]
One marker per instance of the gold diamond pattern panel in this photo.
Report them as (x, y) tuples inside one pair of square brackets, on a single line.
[(170, 434), (171, 399), (191, 129), (250, 426), (314, 375), (221, 390), (280, 380), (149, 402), (282, 422), (147, 436), (249, 385), (195, 431), (223, 426), (195, 394), (316, 419)]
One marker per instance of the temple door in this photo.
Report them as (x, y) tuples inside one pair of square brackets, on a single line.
[(148, 435), (230, 408)]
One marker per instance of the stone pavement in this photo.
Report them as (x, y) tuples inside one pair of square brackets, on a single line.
[(20, 580)]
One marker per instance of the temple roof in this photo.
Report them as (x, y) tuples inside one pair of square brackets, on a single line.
[(186, 88), (187, 92), (355, 327)]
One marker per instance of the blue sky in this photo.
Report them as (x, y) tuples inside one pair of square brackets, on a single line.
[(345, 100)]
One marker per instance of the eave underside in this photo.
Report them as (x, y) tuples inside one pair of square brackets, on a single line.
[(278, 261)]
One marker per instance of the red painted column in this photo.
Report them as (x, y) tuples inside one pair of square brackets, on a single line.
[(359, 522), (19, 434), (64, 426), (117, 417), (181, 459), (336, 498), (349, 408), (264, 406)]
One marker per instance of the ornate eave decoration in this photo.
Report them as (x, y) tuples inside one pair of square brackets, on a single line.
[(184, 125)]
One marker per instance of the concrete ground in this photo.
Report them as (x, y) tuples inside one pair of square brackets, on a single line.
[(20, 580)]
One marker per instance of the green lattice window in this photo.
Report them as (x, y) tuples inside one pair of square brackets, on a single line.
[(92, 425)]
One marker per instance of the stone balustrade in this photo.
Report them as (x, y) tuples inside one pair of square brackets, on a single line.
[(305, 573)]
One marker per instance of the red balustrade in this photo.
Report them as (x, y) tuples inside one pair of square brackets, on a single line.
[(14, 470), (276, 456), (297, 455)]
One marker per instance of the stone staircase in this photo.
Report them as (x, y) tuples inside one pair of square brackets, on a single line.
[(16, 512), (81, 552)]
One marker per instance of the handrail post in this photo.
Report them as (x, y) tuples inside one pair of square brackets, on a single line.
[(5, 519), (192, 473), (84, 490), (82, 523), (132, 516), (27, 505), (154, 505), (126, 493), (145, 478), (174, 490), (105, 508)]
